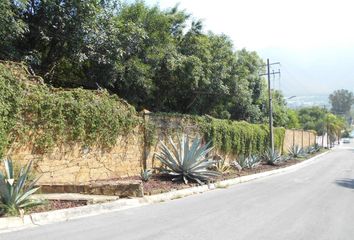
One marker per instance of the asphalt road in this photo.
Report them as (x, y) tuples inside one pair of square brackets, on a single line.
[(315, 202)]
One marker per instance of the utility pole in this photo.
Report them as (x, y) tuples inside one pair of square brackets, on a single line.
[(270, 104)]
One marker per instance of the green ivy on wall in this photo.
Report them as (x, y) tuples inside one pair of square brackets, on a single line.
[(236, 137), (11, 96), (46, 117), (239, 137), (36, 113)]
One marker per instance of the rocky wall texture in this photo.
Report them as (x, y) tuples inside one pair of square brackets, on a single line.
[(77, 164), (74, 163)]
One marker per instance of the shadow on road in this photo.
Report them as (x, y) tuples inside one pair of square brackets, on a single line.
[(347, 183)]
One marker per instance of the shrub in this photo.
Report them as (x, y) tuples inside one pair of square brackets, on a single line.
[(296, 151), (184, 162), (239, 137), (14, 192), (33, 112), (272, 157)]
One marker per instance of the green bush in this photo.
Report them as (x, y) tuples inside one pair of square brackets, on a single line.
[(11, 95), (239, 137), (48, 116)]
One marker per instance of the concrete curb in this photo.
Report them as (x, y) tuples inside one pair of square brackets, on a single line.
[(36, 219)]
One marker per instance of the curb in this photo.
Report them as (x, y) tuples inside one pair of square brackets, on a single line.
[(10, 224)]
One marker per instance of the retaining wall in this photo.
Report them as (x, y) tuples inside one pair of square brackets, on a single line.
[(74, 163)]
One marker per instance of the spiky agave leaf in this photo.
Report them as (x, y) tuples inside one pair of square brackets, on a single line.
[(272, 157), (185, 161), (296, 151), (250, 161), (241, 160), (253, 161), (15, 195)]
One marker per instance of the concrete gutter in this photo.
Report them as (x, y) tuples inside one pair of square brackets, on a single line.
[(37, 219)]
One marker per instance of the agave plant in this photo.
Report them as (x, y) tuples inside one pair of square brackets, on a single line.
[(241, 160), (15, 193), (146, 174), (316, 147), (221, 166), (272, 157), (253, 161), (310, 150), (313, 149), (185, 161), (250, 161), (296, 151)]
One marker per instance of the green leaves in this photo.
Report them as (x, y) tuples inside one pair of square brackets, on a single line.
[(11, 98), (185, 161), (296, 151), (341, 101), (272, 157), (153, 58), (47, 117), (15, 192), (240, 138), (313, 118)]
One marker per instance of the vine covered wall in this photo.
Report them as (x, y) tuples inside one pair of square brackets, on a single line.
[(46, 117), (77, 136), (229, 138)]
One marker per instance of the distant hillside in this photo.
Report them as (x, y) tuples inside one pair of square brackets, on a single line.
[(308, 101)]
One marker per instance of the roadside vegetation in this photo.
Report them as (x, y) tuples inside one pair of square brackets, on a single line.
[(15, 190), (198, 162), (93, 65), (157, 59)]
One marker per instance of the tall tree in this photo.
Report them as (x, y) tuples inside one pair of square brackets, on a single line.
[(313, 118), (341, 101), (12, 27), (155, 59)]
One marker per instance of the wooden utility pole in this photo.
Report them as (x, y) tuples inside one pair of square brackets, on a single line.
[(270, 104)]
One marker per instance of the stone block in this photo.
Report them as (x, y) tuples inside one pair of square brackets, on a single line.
[(131, 188)]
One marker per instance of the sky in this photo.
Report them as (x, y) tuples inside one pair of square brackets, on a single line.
[(312, 39)]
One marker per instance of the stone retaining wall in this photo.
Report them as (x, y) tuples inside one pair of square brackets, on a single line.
[(77, 164), (73, 163)]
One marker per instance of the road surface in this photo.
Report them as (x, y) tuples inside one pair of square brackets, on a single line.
[(315, 202)]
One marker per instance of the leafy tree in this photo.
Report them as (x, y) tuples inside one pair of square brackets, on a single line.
[(341, 101), (335, 126), (155, 59), (313, 118), (293, 120), (12, 27), (57, 39)]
